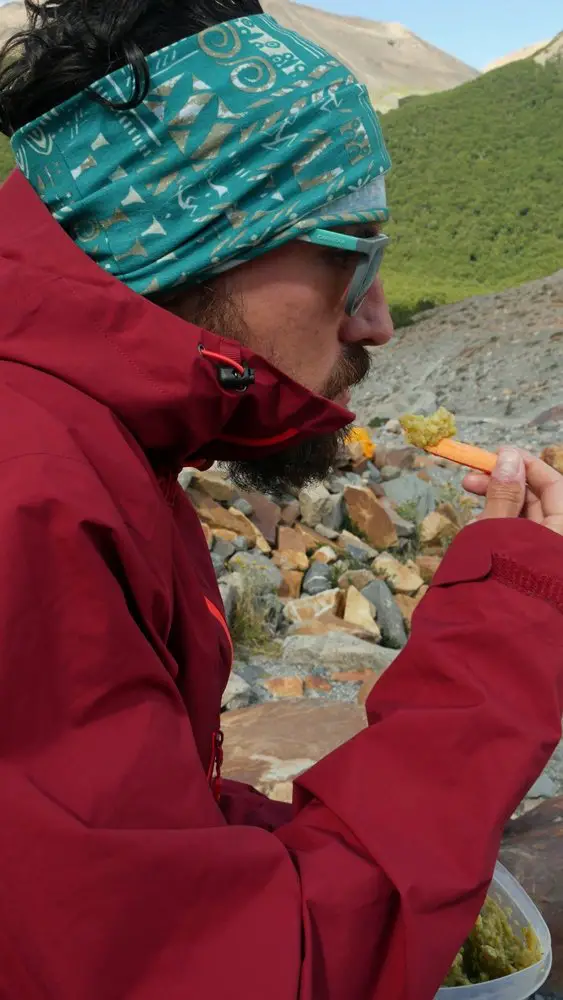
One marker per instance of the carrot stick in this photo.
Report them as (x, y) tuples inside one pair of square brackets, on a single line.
[(464, 454)]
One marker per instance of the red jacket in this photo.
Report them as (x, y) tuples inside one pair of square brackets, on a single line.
[(120, 875)]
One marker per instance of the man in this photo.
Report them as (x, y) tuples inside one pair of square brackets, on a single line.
[(189, 259)]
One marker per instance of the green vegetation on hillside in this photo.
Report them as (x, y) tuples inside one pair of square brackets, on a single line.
[(6, 161), (476, 187)]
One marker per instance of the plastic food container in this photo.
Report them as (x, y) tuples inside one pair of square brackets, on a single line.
[(522, 913)]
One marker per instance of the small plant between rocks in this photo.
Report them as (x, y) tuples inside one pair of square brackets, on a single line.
[(250, 629)]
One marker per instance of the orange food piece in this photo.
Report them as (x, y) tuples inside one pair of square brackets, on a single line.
[(465, 454)]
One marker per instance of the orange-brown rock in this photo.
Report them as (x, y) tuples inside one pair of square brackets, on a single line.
[(266, 515), (428, 566), (325, 554), (261, 544), (366, 689), (285, 687), (367, 513), (215, 484), (449, 511), (311, 606), (225, 534), (268, 745), (316, 683), (403, 578), (311, 539), (358, 611), (216, 516), (290, 513), (329, 622), (291, 539), (358, 578), (291, 583), (402, 458), (208, 534), (352, 676), (407, 605), (290, 559), (436, 529)]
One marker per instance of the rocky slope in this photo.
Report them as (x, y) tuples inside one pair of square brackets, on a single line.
[(553, 50), (526, 53), (542, 52), (390, 59), (495, 361), (11, 18)]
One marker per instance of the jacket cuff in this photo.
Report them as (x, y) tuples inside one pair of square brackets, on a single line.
[(518, 553)]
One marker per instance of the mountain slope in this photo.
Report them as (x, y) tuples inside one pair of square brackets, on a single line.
[(526, 53), (553, 50), (475, 189), (390, 60), (542, 52), (11, 18)]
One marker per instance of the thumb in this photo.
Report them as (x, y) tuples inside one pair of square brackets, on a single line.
[(507, 487)]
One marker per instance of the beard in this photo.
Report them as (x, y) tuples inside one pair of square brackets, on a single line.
[(285, 472), (288, 471)]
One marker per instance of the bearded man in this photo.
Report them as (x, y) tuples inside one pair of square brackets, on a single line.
[(189, 272)]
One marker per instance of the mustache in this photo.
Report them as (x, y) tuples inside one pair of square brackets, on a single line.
[(352, 368)]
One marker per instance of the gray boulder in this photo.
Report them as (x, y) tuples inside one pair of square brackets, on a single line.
[(388, 616), (317, 579), (237, 694), (409, 489), (336, 651), (261, 572)]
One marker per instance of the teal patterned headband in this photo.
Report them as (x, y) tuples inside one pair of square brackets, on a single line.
[(250, 135)]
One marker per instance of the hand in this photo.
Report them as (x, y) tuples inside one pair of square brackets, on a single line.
[(521, 485)]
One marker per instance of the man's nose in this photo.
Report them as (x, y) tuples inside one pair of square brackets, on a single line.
[(372, 325)]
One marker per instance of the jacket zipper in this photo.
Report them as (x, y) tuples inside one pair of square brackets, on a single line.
[(214, 773)]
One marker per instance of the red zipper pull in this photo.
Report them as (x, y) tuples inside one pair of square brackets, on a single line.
[(214, 773)]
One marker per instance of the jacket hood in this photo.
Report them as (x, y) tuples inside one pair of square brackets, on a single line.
[(61, 313)]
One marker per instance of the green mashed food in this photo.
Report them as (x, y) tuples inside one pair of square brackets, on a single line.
[(493, 949), (427, 432)]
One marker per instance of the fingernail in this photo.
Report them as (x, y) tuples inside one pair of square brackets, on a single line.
[(509, 464)]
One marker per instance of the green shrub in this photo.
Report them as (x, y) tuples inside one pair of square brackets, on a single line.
[(475, 188), (6, 158)]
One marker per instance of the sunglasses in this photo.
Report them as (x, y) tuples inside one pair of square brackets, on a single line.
[(371, 252)]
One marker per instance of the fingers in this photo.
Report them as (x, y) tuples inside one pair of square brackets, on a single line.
[(506, 489), (540, 476), (477, 483), (542, 496)]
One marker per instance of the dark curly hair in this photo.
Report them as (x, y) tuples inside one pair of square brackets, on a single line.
[(68, 44)]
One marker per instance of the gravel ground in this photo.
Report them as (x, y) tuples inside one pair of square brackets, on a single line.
[(496, 361)]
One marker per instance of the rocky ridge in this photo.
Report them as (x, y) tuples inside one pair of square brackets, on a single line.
[(391, 60)]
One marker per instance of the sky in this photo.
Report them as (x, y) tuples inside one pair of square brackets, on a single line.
[(476, 31)]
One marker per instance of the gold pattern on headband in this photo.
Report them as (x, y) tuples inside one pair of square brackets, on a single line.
[(118, 216)]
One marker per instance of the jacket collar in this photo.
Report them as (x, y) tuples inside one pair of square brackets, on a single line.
[(63, 314)]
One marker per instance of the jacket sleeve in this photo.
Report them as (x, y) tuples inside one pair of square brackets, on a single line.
[(120, 877)]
